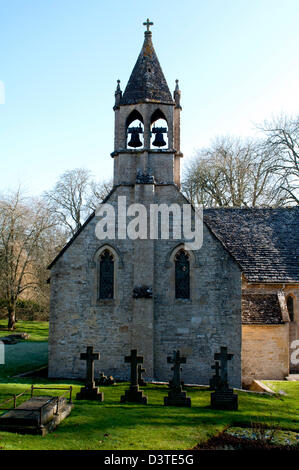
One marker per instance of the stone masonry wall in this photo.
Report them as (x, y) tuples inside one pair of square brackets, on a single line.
[(290, 331), (265, 352), (199, 326)]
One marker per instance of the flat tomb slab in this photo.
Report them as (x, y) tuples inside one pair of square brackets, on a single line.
[(224, 400), (38, 415)]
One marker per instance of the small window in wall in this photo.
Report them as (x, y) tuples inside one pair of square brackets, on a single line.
[(182, 275), (290, 305), (106, 277)]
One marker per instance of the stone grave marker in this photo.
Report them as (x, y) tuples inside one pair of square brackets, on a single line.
[(133, 394), (140, 371), (37, 415), (176, 395), (90, 391), (215, 380), (223, 398)]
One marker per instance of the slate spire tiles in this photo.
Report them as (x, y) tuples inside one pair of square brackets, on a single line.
[(147, 82)]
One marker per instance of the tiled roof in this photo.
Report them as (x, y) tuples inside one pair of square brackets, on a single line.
[(261, 309), (265, 242), (147, 81)]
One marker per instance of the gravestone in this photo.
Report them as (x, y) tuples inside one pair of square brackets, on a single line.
[(38, 415), (223, 398), (176, 395), (133, 394), (141, 380), (216, 379), (90, 391)]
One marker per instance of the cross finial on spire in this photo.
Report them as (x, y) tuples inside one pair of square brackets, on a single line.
[(148, 23)]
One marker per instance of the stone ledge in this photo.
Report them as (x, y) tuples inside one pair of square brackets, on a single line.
[(258, 386)]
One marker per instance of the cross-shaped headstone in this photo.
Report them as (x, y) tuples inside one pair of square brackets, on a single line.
[(216, 366), (176, 360), (215, 381), (134, 360), (223, 357), (141, 371), (148, 23), (89, 357)]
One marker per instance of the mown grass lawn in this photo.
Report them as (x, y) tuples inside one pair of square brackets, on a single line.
[(28, 354), (111, 425), (38, 330), (23, 357)]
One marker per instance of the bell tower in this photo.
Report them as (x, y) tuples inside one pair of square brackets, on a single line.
[(147, 124)]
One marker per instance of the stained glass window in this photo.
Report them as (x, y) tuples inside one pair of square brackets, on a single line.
[(106, 288), (182, 275)]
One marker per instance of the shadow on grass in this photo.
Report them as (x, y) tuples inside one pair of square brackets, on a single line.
[(96, 417), (114, 425)]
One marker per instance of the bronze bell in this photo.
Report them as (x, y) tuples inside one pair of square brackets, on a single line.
[(159, 139), (135, 140)]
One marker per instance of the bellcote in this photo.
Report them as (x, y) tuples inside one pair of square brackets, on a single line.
[(147, 122)]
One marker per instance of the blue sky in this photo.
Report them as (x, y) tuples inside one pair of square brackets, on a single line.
[(237, 62)]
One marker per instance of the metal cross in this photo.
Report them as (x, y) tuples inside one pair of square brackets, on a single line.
[(134, 360), (148, 23), (89, 357)]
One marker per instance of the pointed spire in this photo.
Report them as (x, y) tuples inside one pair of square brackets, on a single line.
[(118, 95), (177, 95), (147, 82), (118, 90)]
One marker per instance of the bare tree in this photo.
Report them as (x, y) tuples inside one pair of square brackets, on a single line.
[(75, 196), (282, 143), (24, 228), (231, 173), (67, 198), (50, 244), (98, 191)]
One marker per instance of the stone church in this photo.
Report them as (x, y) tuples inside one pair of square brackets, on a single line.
[(154, 295)]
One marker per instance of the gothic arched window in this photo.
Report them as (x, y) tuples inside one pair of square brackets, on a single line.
[(182, 275), (106, 277), (290, 305)]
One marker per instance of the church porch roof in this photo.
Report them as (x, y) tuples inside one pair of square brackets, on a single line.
[(261, 309)]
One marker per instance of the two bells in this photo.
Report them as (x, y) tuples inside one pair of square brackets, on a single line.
[(135, 139)]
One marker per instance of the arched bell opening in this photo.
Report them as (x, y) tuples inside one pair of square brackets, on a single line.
[(135, 130), (159, 130)]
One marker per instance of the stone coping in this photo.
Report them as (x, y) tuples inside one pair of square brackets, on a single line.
[(258, 386)]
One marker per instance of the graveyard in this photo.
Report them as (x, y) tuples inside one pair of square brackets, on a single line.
[(109, 422), (149, 275)]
